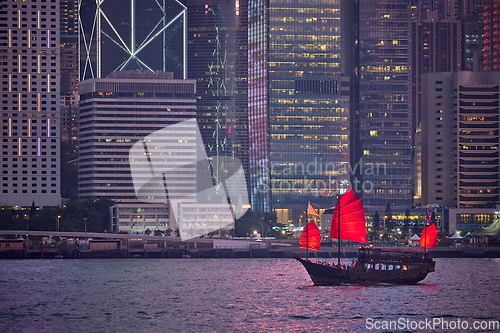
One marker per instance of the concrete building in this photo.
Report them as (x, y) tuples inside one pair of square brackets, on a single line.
[(471, 219), (116, 113), (69, 117), (434, 47), (491, 32), (473, 39), (460, 139), (69, 17), (30, 103), (438, 139), (69, 70), (199, 219)]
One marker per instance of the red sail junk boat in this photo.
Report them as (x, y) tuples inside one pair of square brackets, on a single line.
[(373, 265)]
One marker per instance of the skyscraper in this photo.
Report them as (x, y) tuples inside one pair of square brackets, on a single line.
[(146, 35), (217, 60), (69, 17), (69, 70), (298, 108), (116, 113), (30, 104), (384, 121), (472, 36), (434, 47), (461, 139), (439, 139), (491, 17)]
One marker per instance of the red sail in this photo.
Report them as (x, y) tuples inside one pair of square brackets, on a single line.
[(352, 219), (311, 211), (310, 237), (429, 237)]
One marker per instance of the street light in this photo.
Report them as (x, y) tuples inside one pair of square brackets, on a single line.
[(58, 217), (27, 234)]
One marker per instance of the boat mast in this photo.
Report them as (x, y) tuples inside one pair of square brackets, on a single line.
[(338, 211), (307, 236), (425, 239)]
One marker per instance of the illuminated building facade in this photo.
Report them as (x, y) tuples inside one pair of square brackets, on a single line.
[(491, 40), (384, 117), (30, 104), (145, 35), (471, 219), (69, 70), (446, 9), (217, 59), (69, 88), (298, 106), (435, 47), (117, 112), (69, 117), (472, 36), (69, 17), (478, 139), (460, 148)]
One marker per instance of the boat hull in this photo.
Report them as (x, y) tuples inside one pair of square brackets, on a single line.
[(324, 275)]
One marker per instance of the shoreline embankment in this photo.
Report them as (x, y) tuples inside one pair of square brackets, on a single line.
[(172, 253)]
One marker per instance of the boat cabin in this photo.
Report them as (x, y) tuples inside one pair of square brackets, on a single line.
[(391, 258)]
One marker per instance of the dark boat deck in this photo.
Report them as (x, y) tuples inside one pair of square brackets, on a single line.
[(381, 268)]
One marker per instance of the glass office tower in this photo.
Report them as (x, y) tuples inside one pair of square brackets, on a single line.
[(384, 118), (217, 58), (129, 35), (298, 115)]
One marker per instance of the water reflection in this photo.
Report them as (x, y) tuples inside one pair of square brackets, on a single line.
[(228, 295)]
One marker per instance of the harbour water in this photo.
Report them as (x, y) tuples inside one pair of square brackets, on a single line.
[(233, 295)]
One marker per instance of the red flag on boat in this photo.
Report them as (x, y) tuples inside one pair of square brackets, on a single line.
[(310, 238), (311, 211), (352, 219), (429, 237), (427, 218)]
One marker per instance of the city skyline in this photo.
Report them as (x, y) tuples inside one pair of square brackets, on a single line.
[(249, 165), (279, 86)]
